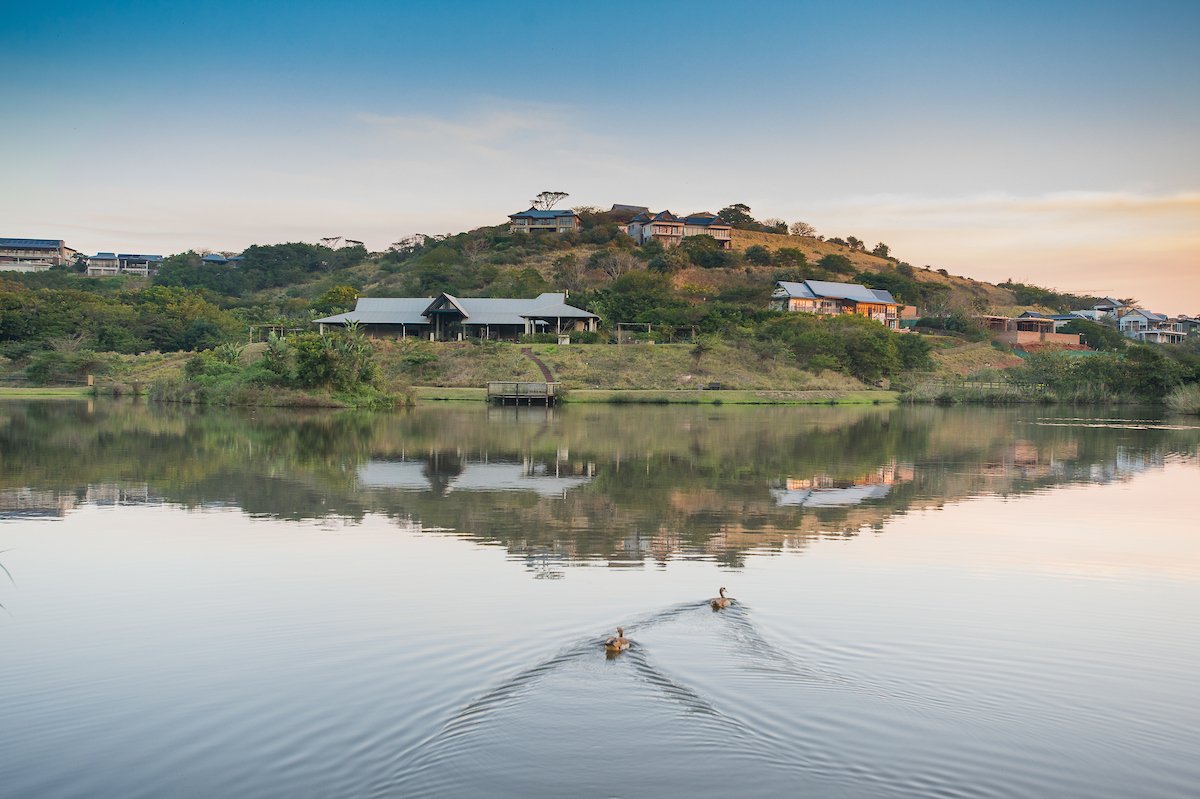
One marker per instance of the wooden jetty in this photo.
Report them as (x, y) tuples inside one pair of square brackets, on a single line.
[(522, 393)]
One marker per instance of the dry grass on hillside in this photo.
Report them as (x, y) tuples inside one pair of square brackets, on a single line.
[(970, 358), (965, 292), (599, 366)]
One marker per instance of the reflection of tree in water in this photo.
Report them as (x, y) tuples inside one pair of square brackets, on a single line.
[(440, 470), (620, 483)]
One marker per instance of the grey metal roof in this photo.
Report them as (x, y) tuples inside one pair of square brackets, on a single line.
[(137, 257), (40, 244), (215, 258), (534, 213), (478, 310), (384, 311), (818, 289), (103, 256)]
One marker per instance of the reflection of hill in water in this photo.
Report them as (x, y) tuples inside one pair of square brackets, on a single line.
[(557, 485)]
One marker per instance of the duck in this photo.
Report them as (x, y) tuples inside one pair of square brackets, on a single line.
[(721, 601), (619, 643)]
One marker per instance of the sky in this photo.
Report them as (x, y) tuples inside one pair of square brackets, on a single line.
[(1056, 143)]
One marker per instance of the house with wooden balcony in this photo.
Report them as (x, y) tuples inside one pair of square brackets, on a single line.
[(449, 318), (669, 230), (537, 220), (34, 255), (827, 297)]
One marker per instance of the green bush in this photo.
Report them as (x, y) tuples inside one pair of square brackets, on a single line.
[(53, 366), (1185, 399)]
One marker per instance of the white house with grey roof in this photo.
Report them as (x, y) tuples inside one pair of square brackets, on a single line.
[(448, 318), (1150, 327), (827, 297)]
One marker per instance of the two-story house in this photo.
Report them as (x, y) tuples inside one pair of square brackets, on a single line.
[(552, 220), (670, 230), (34, 255), (1148, 326)]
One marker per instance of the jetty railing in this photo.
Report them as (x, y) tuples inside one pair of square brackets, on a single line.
[(517, 392)]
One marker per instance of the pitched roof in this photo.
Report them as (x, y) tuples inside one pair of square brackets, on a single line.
[(103, 256), (136, 257), (535, 213), (476, 310), (705, 218), (818, 289), (215, 258), (39, 244), (619, 207)]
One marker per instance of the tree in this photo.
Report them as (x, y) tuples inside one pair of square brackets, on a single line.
[(474, 248), (855, 243), (802, 229), (775, 226), (547, 199), (338, 299), (758, 255), (568, 272), (789, 256), (704, 251), (1095, 335), (738, 216), (614, 263), (881, 250), (838, 264)]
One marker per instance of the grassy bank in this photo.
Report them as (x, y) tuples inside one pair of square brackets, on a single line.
[(643, 367), (623, 396), (43, 393)]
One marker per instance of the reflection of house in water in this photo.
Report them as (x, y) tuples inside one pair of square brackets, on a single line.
[(823, 491), (34, 503), (116, 494), (24, 503), (444, 474)]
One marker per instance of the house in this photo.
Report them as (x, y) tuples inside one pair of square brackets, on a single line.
[(1110, 306), (825, 297), (107, 263), (103, 263), (34, 255), (1150, 327), (1188, 325), (133, 264), (562, 220), (449, 318), (670, 230), (1028, 328), (633, 210), (214, 259)]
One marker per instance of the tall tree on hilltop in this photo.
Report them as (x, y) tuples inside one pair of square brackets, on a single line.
[(738, 216), (548, 199), (802, 229)]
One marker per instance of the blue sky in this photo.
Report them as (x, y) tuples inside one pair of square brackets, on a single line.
[(1053, 142)]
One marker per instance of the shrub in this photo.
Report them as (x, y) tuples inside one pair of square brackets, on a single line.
[(758, 255), (1185, 399)]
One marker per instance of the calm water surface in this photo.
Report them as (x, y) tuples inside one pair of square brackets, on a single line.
[(931, 602)]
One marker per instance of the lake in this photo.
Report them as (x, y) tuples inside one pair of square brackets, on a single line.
[(958, 602)]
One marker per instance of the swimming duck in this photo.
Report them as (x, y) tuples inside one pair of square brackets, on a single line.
[(617, 644), (721, 601)]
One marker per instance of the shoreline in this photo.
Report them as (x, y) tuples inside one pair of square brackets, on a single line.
[(678, 396)]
